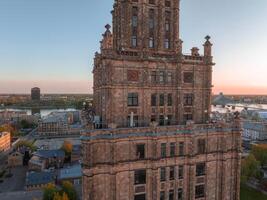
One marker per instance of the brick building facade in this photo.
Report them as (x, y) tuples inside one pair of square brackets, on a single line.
[(153, 103)]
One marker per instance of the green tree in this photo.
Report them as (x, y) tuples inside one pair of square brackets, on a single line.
[(260, 153), (250, 168), (49, 192), (67, 187)]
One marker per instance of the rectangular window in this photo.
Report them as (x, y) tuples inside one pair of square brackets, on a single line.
[(140, 151), (180, 194), (188, 117), (151, 42), (163, 150), (188, 99), (200, 169), (134, 123), (161, 100), (171, 195), (200, 191), (169, 99), (161, 77), (172, 149), (166, 43), (188, 77), (153, 118), (140, 197), (181, 148), (134, 21), (171, 177), (153, 76), (133, 99), (154, 100), (167, 3), (181, 172), (162, 195), (201, 146), (161, 120), (134, 41), (162, 174), (140, 177), (169, 120), (169, 77)]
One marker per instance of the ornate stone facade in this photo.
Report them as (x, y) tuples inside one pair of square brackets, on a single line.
[(154, 140)]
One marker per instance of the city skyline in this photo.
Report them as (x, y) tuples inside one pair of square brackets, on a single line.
[(51, 44)]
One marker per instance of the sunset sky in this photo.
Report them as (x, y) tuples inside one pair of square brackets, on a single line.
[(51, 43)]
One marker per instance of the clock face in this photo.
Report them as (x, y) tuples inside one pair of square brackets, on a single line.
[(133, 75)]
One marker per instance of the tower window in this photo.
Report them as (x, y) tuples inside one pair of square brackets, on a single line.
[(162, 195), (134, 123), (181, 148), (161, 100), (162, 174), (188, 99), (161, 120), (140, 151), (188, 117), (163, 150), (180, 194), (134, 41), (201, 146), (151, 1), (140, 197), (133, 99), (171, 177), (169, 120), (161, 77), (169, 99), (200, 191), (134, 21), (151, 42), (200, 169), (166, 43), (172, 149), (171, 195), (140, 177), (153, 76), (169, 77), (188, 77), (167, 3), (181, 172), (154, 100)]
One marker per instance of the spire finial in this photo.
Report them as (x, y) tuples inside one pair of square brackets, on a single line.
[(207, 37), (107, 27)]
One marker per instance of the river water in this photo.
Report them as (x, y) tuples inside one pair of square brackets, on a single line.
[(43, 112)]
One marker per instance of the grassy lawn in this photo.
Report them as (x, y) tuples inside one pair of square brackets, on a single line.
[(247, 193)]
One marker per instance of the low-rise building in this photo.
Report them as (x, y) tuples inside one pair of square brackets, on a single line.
[(59, 124), (44, 159), (5, 141), (38, 180), (254, 130), (71, 173)]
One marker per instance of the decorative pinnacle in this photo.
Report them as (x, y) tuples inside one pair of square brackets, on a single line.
[(207, 37), (107, 27)]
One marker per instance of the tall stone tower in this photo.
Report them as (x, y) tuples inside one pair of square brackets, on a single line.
[(141, 70), (152, 138)]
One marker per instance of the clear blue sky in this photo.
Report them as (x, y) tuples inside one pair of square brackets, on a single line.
[(51, 43)]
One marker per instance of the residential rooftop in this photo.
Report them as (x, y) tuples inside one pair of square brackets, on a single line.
[(38, 178), (74, 171)]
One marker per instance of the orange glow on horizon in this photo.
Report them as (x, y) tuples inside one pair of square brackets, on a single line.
[(242, 90)]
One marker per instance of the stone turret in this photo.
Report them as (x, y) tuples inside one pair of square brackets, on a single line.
[(208, 49), (107, 42)]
